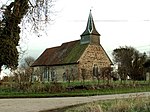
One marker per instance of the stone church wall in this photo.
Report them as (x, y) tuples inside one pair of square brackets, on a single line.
[(93, 55), (60, 73)]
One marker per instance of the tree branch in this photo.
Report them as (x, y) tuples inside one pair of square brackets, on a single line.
[(30, 3)]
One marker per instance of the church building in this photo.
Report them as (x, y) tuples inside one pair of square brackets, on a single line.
[(72, 60)]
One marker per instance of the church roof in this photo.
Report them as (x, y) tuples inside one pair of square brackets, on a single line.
[(67, 53), (90, 28)]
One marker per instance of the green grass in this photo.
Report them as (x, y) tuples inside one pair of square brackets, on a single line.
[(37, 89), (12, 93), (102, 82)]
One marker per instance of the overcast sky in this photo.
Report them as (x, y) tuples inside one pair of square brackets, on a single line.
[(120, 23)]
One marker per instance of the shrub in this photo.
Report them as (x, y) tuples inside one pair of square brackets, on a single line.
[(120, 106), (46, 87), (55, 87), (36, 87), (138, 104), (142, 105)]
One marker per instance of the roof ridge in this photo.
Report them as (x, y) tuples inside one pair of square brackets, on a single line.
[(52, 47), (70, 42)]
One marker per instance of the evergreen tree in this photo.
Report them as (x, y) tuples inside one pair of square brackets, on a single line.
[(130, 62), (12, 15)]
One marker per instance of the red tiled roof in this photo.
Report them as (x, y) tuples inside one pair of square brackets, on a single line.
[(67, 53)]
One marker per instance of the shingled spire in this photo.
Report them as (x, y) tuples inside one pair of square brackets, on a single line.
[(90, 35), (90, 28)]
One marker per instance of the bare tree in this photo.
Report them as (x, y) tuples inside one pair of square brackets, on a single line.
[(38, 73), (83, 74), (39, 14), (96, 73), (28, 71), (106, 73), (29, 61)]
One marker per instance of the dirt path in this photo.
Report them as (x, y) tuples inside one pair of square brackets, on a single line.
[(38, 104)]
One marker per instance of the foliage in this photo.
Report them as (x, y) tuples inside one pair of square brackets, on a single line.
[(137, 104), (38, 12), (55, 87), (22, 77), (91, 107), (8, 54), (9, 32), (11, 16), (130, 62), (147, 63), (106, 73), (12, 89)]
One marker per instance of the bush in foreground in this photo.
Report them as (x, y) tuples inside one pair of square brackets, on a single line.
[(137, 104), (92, 107)]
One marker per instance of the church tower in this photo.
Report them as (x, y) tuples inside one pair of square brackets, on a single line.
[(90, 35)]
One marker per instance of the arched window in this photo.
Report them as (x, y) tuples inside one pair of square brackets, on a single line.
[(95, 70)]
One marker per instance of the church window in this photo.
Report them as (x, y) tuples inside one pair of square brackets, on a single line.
[(46, 73)]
